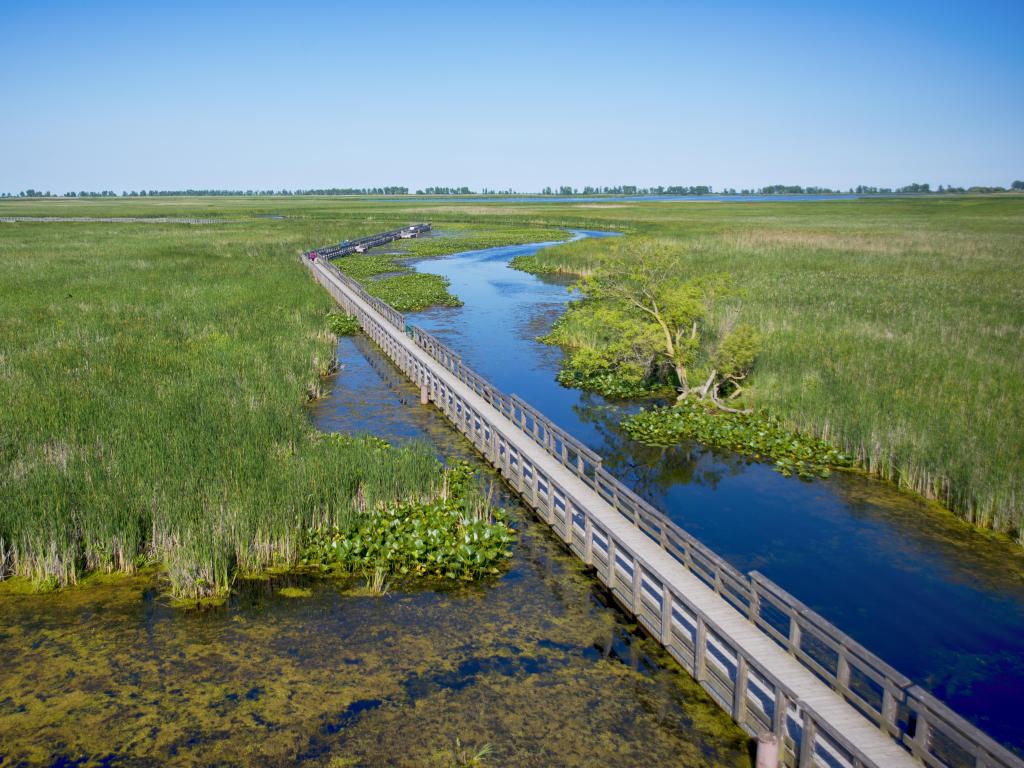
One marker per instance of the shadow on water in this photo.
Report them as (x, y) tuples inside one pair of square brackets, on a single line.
[(939, 601), (534, 662)]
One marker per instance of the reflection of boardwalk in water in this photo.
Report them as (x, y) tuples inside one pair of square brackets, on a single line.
[(772, 663)]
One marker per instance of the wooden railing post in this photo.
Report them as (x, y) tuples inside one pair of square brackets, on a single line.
[(612, 568), (921, 745), (637, 586), (666, 615), (794, 633), (700, 650), (739, 693), (890, 712), (842, 672), (808, 737)]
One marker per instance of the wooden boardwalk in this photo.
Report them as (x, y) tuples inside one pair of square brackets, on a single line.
[(767, 659), (363, 244)]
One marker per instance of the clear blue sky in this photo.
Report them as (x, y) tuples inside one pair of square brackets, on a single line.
[(155, 95)]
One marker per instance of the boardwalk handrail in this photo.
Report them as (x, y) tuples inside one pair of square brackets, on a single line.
[(928, 729), (346, 247)]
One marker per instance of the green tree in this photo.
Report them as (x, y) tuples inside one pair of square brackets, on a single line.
[(651, 319)]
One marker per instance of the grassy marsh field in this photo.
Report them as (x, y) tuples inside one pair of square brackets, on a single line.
[(154, 374), (153, 377), (893, 328)]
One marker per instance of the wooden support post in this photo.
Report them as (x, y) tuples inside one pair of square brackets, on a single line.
[(612, 573), (767, 750), (588, 540), (890, 711), (666, 615), (637, 587), (424, 394), (739, 693), (920, 747), (779, 713), (794, 634), (700, 651), (808, 736), (842, 672)]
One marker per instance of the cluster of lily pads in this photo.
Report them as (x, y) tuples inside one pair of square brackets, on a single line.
[(756, 434), (453, 536), (341, 324)]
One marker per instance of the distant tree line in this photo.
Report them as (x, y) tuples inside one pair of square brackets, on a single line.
[(445, 191), (771, 189)]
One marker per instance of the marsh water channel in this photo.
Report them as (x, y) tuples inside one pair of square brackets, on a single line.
[(939, 601)]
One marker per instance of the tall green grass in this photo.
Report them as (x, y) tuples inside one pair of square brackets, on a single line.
[(893, 328), (153, 380)]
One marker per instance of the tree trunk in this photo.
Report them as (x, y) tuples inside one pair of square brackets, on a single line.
[(706, 389), (684, 384), (723, 407)]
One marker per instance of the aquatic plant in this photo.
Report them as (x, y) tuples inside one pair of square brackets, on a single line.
[(465, 756), (608, 382), (412, 292), (755, 434), (342, 324), (377, 582), (455, 534), (295, 592)]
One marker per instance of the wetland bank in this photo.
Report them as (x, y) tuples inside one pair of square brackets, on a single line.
[(247, 369)]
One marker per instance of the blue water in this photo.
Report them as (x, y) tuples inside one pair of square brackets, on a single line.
[(935, 600)]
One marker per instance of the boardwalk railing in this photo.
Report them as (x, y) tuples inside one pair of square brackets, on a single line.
[(370, 241), (925, 727)]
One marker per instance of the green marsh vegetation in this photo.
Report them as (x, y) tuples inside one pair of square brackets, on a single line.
[(153, 378), (341, 324), (454, 533), (891, 329), (644, 329), (97, 671)]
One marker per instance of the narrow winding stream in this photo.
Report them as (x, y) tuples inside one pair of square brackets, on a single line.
[(939, 602)]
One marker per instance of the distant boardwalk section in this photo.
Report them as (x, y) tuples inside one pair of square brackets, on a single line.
[(771, 662), (363, 244)]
